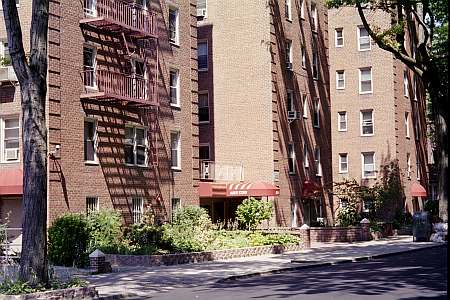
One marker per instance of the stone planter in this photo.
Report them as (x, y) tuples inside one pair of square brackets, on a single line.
[(81, 293)]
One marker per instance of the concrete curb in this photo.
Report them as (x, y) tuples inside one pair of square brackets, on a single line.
[(325, 264)]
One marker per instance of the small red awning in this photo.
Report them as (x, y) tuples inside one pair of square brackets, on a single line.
[(310, 188), (11, 182), (222, 190), (417, 190)]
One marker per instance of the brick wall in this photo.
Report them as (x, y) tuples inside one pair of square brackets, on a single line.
[(336, 234)]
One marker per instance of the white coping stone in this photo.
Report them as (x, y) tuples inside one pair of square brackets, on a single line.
[(304, 227), (97, 253), (364, 221)]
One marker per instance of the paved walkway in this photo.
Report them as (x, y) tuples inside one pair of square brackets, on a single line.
[(142, 282)]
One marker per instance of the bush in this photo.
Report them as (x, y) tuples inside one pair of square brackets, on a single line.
[(105, 231), (349, 215), (68, 238), (252, 212)]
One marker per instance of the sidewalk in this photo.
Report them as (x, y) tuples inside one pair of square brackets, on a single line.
[(142, 282)]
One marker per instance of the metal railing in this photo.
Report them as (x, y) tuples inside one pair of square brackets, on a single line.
[(127, 87), (122, 13), (210, 170)]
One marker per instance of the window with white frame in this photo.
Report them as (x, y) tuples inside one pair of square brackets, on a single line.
[(340, 80), (135, 145), (291, 159), (365, 80), (418, 165), (315, 65), (203, 152), (368, 160), (174, 34), (302, 9), (176, 204), (316, 115), (405, 84), (288, 9), (415, 86), (303, 56), (305, 156), (90, 8), (294, 209), (288, 51), (202, 56), (90, 140), (314, 19), (305, 106), (89, 66), (201, 8), (342, 121), (407, 125), (339, 37), (175, 146), (408, 165), (174, 88), (367, 205), (203, 107), (290, 100), (416, 126), (4, 54), (343, 163), (367, 123), (363, 39), (317, 162), (92, 204), (137, 209), (9, 134)]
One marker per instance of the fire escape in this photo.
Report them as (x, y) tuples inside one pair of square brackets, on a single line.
[(136, 27)]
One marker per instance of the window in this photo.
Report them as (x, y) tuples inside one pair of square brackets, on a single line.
[(407, 124), (314, 20), (363, 39), (367, 122), (291, 159), (405, 84), (305, 106), (175, 88), (9, 139), (416, 127), (91, 204), (173, 25), (90, 140), (415, 86), (4, 54), (316, 116), (365, 80), (367, 205), (143, 3), (315, 65), (340, 80), (288, 52), (137, 209), (201, 8), (303, 56), (90, 8), (339, 37), (368, 165), (305, 156), (202, 55), (302, 9), (203, 108), (343, 203), (203, 152), (408, 164), (342, 121), (418, 166), (89, 66), (288, 9), (290, 101), (175, 146), (317, 162), (135, 146), (294, 209), (176, 204), (343, 163)]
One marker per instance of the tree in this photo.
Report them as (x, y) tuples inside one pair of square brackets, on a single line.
[(252, 212), (428, 62), (32, 76)]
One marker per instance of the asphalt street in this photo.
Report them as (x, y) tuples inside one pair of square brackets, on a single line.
[(409, 276)]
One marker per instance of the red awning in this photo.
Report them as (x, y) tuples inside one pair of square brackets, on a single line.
[(417, 190), (11, 181), (222, 190), (310, 188)]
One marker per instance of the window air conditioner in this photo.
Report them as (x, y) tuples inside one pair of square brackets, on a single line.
[(293, 115), (201, 12), (12, 154), (289, 66)]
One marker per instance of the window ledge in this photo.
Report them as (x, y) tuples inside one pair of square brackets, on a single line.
[(203, 122), (10, 162), (91, 163), (367, 135), (177, 106), (203, 70), (365, 93), (175, 44), (342, 130), (176, 169), (364, 50)]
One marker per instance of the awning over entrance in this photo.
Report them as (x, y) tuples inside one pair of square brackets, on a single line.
[(417, 190), (310, 188), (221, 190), (11, 181)]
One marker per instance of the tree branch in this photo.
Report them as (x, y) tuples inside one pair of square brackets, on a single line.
[(38, 39), (15, 43)]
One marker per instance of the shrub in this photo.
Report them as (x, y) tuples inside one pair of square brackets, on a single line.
[(67, 240), (105, 231), (252, 212)]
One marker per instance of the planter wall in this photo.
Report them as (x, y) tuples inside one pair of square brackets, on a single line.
[(197, 257), (340, 234), (83, 293)]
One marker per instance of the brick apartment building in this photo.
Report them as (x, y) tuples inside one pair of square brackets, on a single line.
[(264, 109), (378, 108), (121, 109)]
